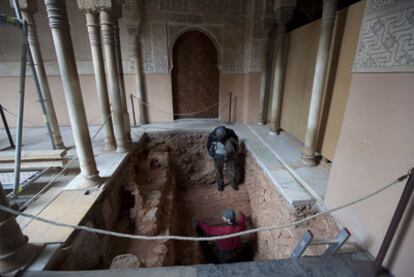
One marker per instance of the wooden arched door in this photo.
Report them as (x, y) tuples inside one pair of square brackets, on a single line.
[(195, 76)]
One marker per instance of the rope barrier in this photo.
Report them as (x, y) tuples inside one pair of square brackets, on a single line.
[(35, 125), (190, 238), (24, 120), (64, 168), (177, 114)]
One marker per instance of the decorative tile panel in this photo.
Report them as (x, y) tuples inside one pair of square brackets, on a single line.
[(386, 42)]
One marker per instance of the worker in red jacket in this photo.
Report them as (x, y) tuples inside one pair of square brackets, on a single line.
[(228, 249)]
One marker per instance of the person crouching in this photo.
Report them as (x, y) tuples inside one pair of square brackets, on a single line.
[(228, 250)]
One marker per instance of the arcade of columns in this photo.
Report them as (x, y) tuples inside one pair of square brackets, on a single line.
[(283, 12), (102, 21)]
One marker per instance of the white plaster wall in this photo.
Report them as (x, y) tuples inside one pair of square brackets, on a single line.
[(376, 146)]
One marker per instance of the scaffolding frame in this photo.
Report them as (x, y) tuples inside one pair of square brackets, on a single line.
[(26, 56)]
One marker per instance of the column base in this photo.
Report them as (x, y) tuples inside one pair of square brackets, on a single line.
[(260, 122), (109, 147), (309, 160), (19, 258), (273, 133), (60, 146), (15, 250), (89, 182), (121, 149)]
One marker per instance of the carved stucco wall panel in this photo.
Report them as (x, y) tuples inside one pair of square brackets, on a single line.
[(223, 21), (257, 61), (386, 42)]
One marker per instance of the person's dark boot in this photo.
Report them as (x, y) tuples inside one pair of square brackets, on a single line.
[(219, 186), (234, 186)]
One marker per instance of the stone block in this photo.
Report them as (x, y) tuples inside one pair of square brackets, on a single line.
[(125, 261)]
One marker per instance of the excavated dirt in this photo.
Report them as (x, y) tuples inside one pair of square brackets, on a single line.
[(173, 182)]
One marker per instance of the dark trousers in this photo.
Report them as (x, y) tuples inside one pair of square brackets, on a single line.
[(228, 256), (231, 171)]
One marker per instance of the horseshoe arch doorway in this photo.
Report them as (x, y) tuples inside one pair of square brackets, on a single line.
[(195, 77)]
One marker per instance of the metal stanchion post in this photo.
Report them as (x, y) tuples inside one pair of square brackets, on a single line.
[(395, 222), (6, 127), (131, 97), (230, 96)]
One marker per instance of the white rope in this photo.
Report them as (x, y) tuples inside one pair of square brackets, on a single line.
[(189, 238), (35, 125), (64, 168), (177, 114)]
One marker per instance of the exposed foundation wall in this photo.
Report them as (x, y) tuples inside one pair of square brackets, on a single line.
[(270, 208), (302, 46), (375, 147)]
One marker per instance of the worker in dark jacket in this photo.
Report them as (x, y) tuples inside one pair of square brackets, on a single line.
[(222, 145), (229, 250)]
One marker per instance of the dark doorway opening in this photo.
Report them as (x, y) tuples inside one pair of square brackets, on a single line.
[(195, 77)]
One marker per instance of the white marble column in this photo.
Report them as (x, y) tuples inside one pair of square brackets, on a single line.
[(276, 108), (92, 22), (58, 21), (262, 98), (319, 77), (136, 60), (27, 8), (113, 81), (117, 44)]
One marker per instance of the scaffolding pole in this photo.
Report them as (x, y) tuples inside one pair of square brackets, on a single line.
[(19, 129), (26, 56), (23, 27)]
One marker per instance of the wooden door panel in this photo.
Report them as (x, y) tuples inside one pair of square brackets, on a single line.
[(195, 76)]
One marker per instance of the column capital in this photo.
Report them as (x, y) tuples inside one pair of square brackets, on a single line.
[(25, 5), (112, 6), (95, 4)]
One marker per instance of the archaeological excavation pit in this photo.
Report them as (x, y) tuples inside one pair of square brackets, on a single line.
[(169, 180)]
